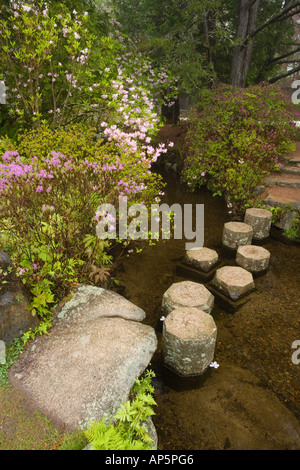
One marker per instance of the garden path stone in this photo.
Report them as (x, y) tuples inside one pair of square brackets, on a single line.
[(187, 294), (253, 258), (189, 339), (236, 234), (85, 368), (260, 220), (202, 258), (234, 281)]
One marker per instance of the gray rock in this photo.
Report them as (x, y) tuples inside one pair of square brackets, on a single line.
[(15, 318), (260, 220), (202, 258), (101, 303), (5, 260), (189, 338), (187, 294), (253, 258), (85, 368), (286, 219), (236, 234), (233, 281)]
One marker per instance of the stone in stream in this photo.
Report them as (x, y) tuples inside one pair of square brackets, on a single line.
[(260, 220), (236, 234), (253, 258), (202, 258), (188, 342), (187, 294), (233, 281), (85, 368)]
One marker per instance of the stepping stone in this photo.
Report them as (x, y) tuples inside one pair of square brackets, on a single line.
[(202, 258), (279, 196), (295, 170), (253, 258), (188, 341), (187, 294), (236, 234), (284, 179), (260, 220), (234, 281)]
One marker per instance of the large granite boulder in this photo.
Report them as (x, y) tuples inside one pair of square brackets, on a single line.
[(85, 368)]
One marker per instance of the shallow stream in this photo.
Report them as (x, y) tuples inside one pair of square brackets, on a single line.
[(252, 400)]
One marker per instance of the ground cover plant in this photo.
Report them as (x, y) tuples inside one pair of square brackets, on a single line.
[(235, 137)]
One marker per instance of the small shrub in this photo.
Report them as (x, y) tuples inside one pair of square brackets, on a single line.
[(235, 137)]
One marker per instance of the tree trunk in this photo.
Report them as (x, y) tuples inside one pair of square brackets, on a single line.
[(242, 53)]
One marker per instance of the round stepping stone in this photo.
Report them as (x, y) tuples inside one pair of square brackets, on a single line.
[(253, 258), (260, 220), (202, 258), (233, 281), (188, 341), (236, 234), (187, 294)]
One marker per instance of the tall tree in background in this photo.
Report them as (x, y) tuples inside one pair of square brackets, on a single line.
[(241, 42), (250, 25)]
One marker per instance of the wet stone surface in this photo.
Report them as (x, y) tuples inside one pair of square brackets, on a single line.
[(260, 220), (188, 343), (236, 234), (202, 258), (253, 258), (234, 281), (187, 294)]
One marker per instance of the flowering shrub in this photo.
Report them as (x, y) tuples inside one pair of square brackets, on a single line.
[(49, 204), (56, 70), (235, 137), (57, 173)]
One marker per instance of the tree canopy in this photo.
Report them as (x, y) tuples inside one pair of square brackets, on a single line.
[(241, 42)]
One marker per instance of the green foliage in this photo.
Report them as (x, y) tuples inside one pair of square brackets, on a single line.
[(128, 429), (13, 351), (54, 183), (74, 441), (236, 137)]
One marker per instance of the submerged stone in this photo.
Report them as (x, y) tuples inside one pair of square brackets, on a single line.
[(187, 294), (236, 234), (189, 339)]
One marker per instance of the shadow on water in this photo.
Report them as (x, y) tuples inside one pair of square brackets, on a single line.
[(257, 338)]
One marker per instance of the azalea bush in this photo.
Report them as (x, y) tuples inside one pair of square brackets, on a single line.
[(57, 69), (85, 110), (49, 204), (235, 137)]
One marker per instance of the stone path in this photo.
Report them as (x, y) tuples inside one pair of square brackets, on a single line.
[(284, 187)]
